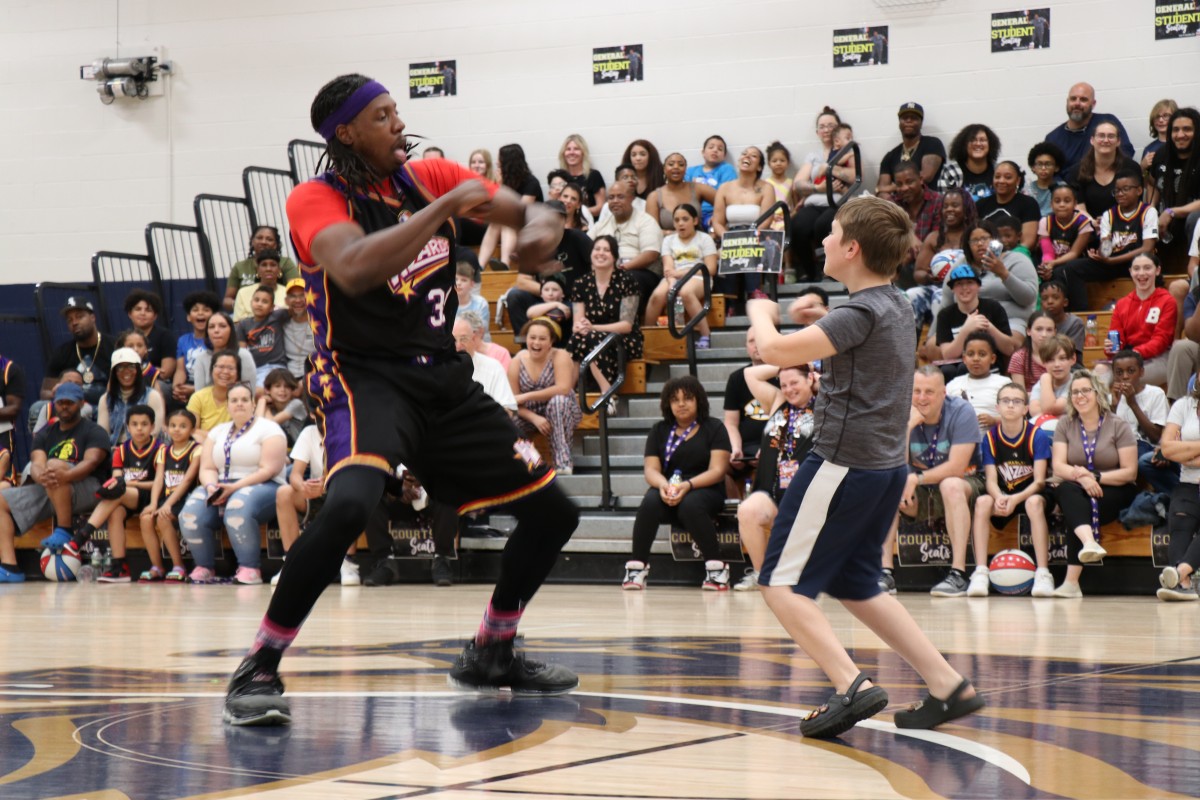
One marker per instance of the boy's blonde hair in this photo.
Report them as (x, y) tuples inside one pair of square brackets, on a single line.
[(1050, 347), (881, 228)]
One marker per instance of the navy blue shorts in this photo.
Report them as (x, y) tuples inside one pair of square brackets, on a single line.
[(829, 534)]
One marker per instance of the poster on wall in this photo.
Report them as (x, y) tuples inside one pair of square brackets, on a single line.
[(432, 79), (1176, 20), (617, 64), (860, 47), (1024, 29)]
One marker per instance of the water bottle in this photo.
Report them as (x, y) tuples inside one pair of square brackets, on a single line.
[(680, 313), (90, 571), (106, 562), (1091, 331), (675, 482)]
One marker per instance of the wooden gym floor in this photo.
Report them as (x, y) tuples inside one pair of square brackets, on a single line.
[(111, 692)]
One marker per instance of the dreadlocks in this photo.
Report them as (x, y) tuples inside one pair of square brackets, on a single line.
[(342, 159)]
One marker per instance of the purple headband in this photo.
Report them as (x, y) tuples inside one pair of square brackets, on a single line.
[(350, 109)]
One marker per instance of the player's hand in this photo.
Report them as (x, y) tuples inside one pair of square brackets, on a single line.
[(469, 198), (806, 310), (761, 309), (538, 238)]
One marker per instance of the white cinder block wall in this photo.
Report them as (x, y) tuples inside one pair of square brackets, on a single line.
[(78, 176)]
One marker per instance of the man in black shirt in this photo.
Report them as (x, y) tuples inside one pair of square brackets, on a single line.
[(89, 351), (12, 396), (927, 152)]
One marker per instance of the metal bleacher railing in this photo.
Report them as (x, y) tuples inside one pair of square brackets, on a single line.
[(267, 191), (227, 229), (304, 157), (116, 274), (601, 407), (180, 254)]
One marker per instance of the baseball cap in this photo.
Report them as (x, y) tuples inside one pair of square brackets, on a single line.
[(69, 391), (125, 355), (963, 272), (78, 303), (295, 283), (911, 108)]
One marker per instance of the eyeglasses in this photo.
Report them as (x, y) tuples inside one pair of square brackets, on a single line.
[(827, 126), (1105, 137), (980, 240), (1082, 392), (1047, 164), (1163, 115), (1010, 401), (1126, 189)]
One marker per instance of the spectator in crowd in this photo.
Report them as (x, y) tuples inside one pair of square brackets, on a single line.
[(1181, 444), (1065, 233), (477, 327), (573, 157), (575, 257), (779, 162), (556, 179), (469, 298), (1075, 134), (663, 201), (638, 237), (297, 330), (552, 303), (411, 507), (926, 153), (68, 463), (624, 173), (12, 399), (605, 301), (480, 162), (924, 207), (813, 218), (1160, 129), (514, 171), (682, 250), (209, 404), (433, 152), (245, 272), (268, 277), (980, 386), (1053, 294), (89, 352), (571, 197), (713, 172), (967, 313), (1094, 177), (280, 404), (643, 156), (973, 155), (1008, 279), (470, 231), (262, 334), (1050, 398), (126, 389), (1008, 183), (220, 335), (134, 340), (175, 470), (744, 418), (1176, 177), (1095, 458), (786, 440), (1184, 357), (144, 309), (741, 201), (488, 372), (1046, 161), (237, 489), (1016, 460), (1144, 409), (1145, 320), (1025, 367), (41, 412), (686, 456), (542, 378), (940, 250), (198, 306)]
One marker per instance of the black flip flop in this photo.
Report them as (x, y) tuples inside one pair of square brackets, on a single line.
[(931, 712), (842, 711)]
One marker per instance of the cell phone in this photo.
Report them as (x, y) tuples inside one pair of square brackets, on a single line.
[(212, 498)]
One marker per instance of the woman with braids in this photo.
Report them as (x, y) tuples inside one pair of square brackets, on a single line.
[(245, 272), (515, 174), (939, 251), (375, 237)]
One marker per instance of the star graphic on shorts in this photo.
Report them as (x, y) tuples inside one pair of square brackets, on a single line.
[(325, 379), (327, 392), (310, 298), (319, 363)]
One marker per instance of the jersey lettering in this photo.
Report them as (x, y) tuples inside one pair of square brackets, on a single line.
[(1153, 315)]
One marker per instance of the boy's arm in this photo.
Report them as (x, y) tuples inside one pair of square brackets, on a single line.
[(800, 347)]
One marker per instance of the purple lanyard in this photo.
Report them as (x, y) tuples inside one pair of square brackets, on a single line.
[(931, 452), (1089, 453), (674, 440), (788, 445), (229, 444)]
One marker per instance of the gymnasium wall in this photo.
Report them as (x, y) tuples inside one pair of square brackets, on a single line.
[(80, 176)]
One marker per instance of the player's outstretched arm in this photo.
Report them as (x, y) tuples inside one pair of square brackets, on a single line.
[(788, 350)]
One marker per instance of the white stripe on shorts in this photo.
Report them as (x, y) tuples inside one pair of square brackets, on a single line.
[(806, 527)]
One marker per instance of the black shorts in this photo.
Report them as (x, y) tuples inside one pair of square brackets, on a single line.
[(1000, 523), (436, 420), (142, 501)]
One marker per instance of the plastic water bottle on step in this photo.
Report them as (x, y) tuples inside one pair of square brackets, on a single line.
[(680, 313), (1091, 332)]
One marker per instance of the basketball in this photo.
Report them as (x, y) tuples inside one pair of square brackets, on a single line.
[(941, 264), (1011, 572), (59, 567)]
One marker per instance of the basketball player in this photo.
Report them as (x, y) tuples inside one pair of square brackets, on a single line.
[(838, 507), (375, 238)]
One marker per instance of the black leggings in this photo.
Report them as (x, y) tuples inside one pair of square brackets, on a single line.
[(695, 513), (545, 521), (1078, 273), (809, 226), (1184, 524), (1076, 506)]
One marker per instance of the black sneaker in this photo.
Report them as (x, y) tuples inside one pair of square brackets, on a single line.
[(887, 581), (255, 696), (500, 665), (442, 574), (384, 573)]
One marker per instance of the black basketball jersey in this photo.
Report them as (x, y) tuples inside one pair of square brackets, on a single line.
[(175, 465), (1063, 236), (135, 464), (1013, 460), (1127, 231)]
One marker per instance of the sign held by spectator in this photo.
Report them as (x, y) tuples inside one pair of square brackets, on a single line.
[(860, 47), (1025, 29), (617, 64), (432, 79), (751, 251), (1176, 20)]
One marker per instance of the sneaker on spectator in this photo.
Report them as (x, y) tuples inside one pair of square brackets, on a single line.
[(1178, 594), (8, 576), (748, 582), (1043, 583), (177, 575), (716, 576), (979, 584), (635, 575), (1068, 590), (350, 576), (116, 573), (953, 585), (1168, 578), (703, 342), (202, 575), (57, 540), (887, 581), (440, 571), (384, 573), (248, 576), (1091, 553), (152, 575)]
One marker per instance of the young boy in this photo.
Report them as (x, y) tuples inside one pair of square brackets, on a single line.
[(968, 313), (468, 298), (1145, 409), (839, 507), (1008, 229), (199, 306), (1054, 303), (267, 262), (1016, 461), (713, 172), (127, 491), (175, 470), (980, 386), (143, 309), (262, 333), (1049, 398)]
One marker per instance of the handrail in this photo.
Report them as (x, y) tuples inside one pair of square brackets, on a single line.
[(854, 187), (705, 307), (601, 406)]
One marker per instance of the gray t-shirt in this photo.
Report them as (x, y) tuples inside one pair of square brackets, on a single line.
[(297, 345), (929, 445), (866, 389)]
